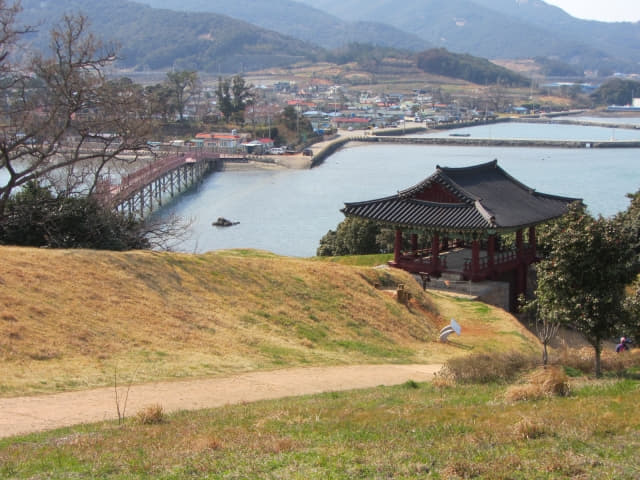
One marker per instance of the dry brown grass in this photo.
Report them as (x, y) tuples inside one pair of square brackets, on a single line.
[(583, 359), (150, 415), (488, 367), (542, 382), (69, 319)]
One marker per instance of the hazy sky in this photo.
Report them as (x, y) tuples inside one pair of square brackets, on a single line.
[(604, 10)]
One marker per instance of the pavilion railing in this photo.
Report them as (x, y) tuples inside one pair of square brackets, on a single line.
[(416, 264), (501, 258)]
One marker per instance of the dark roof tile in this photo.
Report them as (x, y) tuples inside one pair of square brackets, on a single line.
[(492, 199)]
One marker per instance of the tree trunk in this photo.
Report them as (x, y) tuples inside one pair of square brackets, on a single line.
[(545, 354), (598, 351)]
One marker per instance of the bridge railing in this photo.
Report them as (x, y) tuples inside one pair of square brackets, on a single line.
[(111, 193)]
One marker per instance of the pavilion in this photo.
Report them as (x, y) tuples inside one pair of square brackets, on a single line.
[(463, 212)]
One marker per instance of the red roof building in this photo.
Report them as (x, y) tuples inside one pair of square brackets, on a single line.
[(464, 211)]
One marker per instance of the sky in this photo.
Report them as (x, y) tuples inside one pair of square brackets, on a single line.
[(603, 10)]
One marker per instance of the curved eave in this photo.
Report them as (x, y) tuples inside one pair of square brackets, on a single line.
[(419, 214)]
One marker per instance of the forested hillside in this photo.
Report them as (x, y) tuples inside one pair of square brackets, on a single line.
[(502, 29), (157, 39), (439, 61), (301, 21)]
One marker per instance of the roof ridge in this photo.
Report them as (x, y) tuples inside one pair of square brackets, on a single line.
[(488, 216), (470, 197)]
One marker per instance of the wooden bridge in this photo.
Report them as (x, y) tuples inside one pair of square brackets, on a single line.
[(141, 192)]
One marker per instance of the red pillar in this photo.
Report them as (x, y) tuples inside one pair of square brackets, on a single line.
[(519, 243), (435, 252), (397, 246), (521, 273), (475, 259), (491, 252), (414, 243), (521, 279), (532, 240)]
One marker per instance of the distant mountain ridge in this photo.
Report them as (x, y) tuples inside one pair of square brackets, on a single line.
[(301, 21), (238, 35), (158, 39), (502, 29)]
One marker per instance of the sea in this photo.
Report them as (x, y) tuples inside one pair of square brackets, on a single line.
[(288, 211)]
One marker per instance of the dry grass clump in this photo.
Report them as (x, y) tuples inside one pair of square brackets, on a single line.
[(529, 429), (151, 415), (489, 367), (443, 380), (542, 382), (583, 359)]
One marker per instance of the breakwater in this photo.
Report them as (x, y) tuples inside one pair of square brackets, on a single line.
[(489, 142), (335, 145), (580, 123)]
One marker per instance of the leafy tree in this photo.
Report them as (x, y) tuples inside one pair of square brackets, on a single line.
[(36, 217), (159, 100), (63, 119), (233, 96), (582, 281), (224, 98), (294, 128), (616, 92), (242, 96), (354, 236), (632, 311), (629, 222), (183, 85)]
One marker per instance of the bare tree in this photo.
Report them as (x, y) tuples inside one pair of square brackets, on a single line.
[(547, 324), (60, 115), (547, 327), (167, 233)]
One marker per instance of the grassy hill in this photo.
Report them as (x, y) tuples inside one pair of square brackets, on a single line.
[(71, 315), (71, 319)]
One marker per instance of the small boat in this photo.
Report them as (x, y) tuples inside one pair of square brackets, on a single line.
[(459, 134), (223, 222)]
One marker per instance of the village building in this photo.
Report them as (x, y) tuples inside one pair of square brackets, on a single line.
[(353, 123), (222, 141), (464, 213)]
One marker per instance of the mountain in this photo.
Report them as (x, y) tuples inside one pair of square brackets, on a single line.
[(622, 38), (301, 21), (158, 39), (502, 29)]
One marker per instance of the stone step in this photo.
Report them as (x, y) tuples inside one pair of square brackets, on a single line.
[(455, 276)]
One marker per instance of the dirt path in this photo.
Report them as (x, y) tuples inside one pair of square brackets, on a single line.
[(30, 414)]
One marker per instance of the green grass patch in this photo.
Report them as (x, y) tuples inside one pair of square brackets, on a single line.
[(373, 350), (464, 431), (312, 333), (358, 260)]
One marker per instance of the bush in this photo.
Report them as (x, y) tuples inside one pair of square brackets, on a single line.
[(489, 367), (35, 217), (150, 415)]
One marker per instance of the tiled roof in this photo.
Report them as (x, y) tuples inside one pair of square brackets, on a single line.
[(485, 197)]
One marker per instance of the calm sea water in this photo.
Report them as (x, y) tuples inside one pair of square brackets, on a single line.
[(288, 211), (541, 131)]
